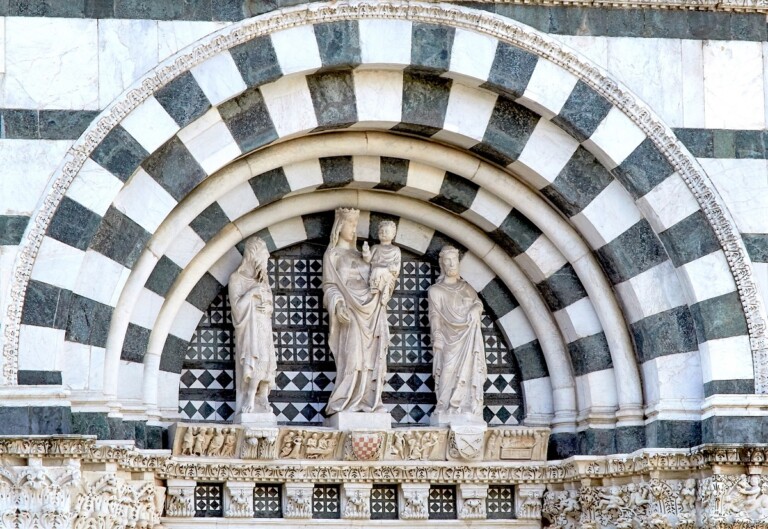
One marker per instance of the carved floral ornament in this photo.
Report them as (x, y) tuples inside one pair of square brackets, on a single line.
[(501, 28), (588, 492)]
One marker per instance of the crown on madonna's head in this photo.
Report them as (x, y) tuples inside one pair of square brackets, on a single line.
[(348, 213)]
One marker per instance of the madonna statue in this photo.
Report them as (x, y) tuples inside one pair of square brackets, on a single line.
[(459, 368), (251, 304), (359, 332)]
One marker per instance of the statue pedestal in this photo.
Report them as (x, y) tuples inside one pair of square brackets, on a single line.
[(456, 419), (359, 420), (256, 420)]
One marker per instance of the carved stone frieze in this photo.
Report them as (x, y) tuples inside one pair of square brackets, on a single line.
[(653, 503), (259, 443), (514, 443), (309, 444), (417, 445), (205, 441)]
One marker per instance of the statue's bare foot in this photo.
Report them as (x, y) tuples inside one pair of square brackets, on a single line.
[(247, 409)]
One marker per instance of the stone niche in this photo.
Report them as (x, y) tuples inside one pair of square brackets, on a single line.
[(231, 441)]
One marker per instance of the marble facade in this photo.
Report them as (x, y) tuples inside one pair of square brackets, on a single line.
[(602, 170)]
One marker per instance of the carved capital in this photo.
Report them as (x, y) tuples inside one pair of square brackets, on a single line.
[(471, 501), (238, 499), (356, 501), (180, 499), (414, 500), (528, 501), (297, 500)]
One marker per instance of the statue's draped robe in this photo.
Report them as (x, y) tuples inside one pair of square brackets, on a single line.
[(462, 367), (359, 347), (253, 332)]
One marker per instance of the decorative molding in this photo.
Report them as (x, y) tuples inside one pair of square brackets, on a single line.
[(748, 6), (501, 28)]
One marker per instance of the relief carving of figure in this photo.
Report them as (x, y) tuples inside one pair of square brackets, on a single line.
[(252, 305), (359, 332), (455, 314)]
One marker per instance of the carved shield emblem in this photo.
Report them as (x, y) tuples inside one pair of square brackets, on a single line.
[(366, 446), (466, 443)]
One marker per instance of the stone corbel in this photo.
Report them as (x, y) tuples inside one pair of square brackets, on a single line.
[(297, 500), (180, 500), (414, 501), (528, 501), (356, 501), (238, 499), (471, 501)]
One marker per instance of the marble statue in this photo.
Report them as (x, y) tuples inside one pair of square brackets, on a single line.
[(359, 332), (251, 304), (385, 260), (459, 368)]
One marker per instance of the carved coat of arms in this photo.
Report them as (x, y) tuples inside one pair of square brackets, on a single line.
[(466, 442), (364, 446)]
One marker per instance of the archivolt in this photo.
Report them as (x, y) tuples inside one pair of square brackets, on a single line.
[(506, 31)]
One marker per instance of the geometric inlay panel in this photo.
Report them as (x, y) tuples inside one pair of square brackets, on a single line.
[(500, 503), (305, 367), (209, 500), (442, 502)]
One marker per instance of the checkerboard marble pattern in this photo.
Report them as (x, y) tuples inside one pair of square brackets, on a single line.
[(306, 371)]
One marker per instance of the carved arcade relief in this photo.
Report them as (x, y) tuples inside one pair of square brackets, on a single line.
[(207, 441), (308, 444)]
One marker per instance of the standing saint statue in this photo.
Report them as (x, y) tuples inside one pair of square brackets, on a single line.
[(459, 368), (251, 304), (359, 332)]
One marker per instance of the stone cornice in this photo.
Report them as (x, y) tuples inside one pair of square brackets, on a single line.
[(748, 6), (705, 458)]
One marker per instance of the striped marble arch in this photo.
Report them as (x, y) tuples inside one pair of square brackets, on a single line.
[(592, 235)]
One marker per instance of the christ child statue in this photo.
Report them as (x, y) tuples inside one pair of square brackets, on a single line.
[(385, 260)]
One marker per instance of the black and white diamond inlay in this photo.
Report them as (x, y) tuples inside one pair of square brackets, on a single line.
[(306, 370)]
